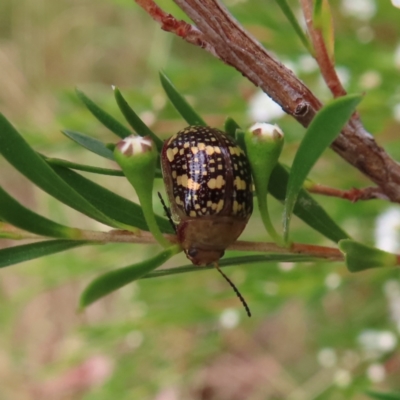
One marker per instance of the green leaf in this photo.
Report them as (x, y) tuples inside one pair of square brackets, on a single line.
[(306, 208), (295, 25), (179, 102), (23, 158), (17, 254), (383, 396), (83, 167), (106, 119), (114, 206), (19, 216), (230, 127), (231, 261), (322, 131), (89, 143), (360, 257), (134, 121), (113, 280)]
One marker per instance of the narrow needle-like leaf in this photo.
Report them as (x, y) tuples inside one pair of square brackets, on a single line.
[(179, 102), (22, 157), (17, 254), (106, 119), (293, 21), (134, 121), (113, 280), (23, 218), (231, 261), (89, 143), (322, 131)]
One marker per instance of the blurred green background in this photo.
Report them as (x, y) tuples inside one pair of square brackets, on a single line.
[(317, 331)]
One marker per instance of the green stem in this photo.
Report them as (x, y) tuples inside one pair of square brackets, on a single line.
[(263, 207), (146, 201)]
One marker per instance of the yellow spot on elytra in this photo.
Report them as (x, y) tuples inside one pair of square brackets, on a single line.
[(212, 183), (220, 205), (203, 210), (191, 184), (212, 169), (235, 207), (170, 155), (184, 181), (214, 206), (186, 145), (194, 150), (201, 146), (175, 150), (178, 200), (192, 213), (217, 149), (219, 182), (197, 206), (181, 151), (216, 183), (204, 173), (234, 150), (209, 203), (219, 167), (209, 150), (240, 184), (174, 174)]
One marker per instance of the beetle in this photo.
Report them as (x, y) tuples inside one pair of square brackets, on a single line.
[(208, 182)]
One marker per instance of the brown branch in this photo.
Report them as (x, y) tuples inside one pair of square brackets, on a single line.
[(120, 236), (224, 37), (180, 28), (353, 194)]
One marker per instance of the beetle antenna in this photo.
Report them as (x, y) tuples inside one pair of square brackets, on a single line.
[(235, 289), (167, 211)]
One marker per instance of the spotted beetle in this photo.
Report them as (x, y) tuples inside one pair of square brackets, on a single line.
[(208, 182)]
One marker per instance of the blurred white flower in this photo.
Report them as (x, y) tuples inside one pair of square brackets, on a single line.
[(229, 318), (376, 343), (370, 80), (327, 357), (392, 292), (396, 112), (286, 266), (397, 56), (365, 34), (333, 281), (360, 9), (342, 378), (262, 108), (343, 74), (396, 3), (307, 64), (376, 373), (387, 230)]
